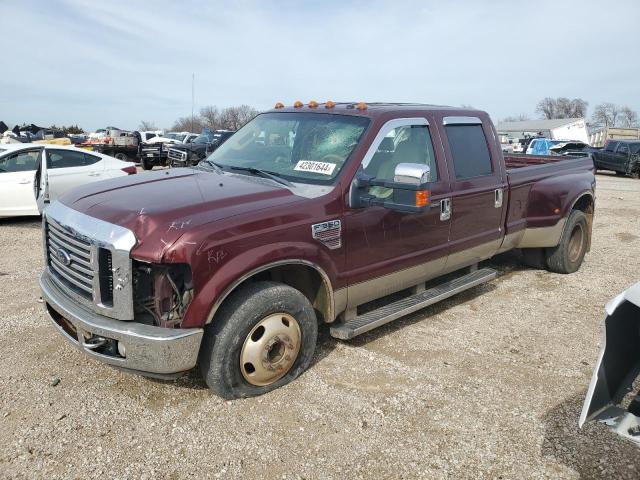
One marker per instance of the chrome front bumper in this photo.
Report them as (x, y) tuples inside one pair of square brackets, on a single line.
[(148, 350)]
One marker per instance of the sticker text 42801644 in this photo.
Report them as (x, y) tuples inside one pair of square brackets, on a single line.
[(315, 167)]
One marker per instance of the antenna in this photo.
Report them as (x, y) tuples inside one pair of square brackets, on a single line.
[(193, 89)]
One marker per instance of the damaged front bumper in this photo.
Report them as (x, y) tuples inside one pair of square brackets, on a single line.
[(613, 396), (145, 349)]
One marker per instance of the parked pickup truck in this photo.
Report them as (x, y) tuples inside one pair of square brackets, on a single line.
[(621, 156), (155, 151), (190, 154), (305, 215)]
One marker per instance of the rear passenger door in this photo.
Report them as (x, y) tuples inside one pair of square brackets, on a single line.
[(478, 190), (606, 155), (70, 168), (621, 157), (17, 176)]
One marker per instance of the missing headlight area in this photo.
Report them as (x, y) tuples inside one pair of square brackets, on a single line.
[(162, 293)]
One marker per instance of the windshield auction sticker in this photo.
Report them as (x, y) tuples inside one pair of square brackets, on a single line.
[(315, 167)]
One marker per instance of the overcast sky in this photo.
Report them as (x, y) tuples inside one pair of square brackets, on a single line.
[(117, 63)]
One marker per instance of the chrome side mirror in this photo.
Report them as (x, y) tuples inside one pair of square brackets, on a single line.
[(412, 173)]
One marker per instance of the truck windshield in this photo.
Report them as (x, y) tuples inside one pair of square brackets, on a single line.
[(300, 147)]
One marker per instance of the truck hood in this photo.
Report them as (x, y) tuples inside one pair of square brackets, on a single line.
[(159, 207)]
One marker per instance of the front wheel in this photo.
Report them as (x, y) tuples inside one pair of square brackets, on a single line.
[(568, 255), (262, 338), (146, 165), (121, 156)]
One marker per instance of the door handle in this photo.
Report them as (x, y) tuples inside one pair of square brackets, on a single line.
[(24, 182), (94, 174), (445, 209), (497, 196)]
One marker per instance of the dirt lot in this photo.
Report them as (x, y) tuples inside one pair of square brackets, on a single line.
[(489, 384)]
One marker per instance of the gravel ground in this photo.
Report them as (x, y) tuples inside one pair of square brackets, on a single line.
[(486, 385)]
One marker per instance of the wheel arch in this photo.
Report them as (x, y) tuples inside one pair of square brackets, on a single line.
[(307, 277), (585, 202)]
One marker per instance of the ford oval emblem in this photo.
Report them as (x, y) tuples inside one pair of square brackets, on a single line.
[(63, 257)]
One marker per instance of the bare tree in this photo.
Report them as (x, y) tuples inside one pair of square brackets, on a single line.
[(517, 118), (605, 115), (579, 108), (211, 117), (146, 125), (234, 118), (628, 117), (562, 107), (231, 118), (547, 108), (185, 124)]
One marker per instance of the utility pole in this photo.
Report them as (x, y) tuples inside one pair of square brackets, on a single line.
[(193, 89)]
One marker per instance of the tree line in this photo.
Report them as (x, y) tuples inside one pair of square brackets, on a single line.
[(211, 117), (606, 114)]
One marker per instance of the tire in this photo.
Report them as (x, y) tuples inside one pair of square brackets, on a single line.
[(568, 255), (193, 160), (534, 258), (234, 344), (145, 164), (121, 156)]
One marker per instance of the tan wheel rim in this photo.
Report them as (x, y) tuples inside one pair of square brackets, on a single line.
[(270, 349), (575, 243)]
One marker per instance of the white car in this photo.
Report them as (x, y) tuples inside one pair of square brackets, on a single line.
[(33, 175)]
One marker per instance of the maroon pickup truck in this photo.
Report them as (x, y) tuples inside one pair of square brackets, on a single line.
[(307, 214)]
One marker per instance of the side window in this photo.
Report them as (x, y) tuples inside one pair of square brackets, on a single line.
[(65, 158), (90, 159), (19, 162), (623, 148), (469, 151), (611, 146), (406, 144)]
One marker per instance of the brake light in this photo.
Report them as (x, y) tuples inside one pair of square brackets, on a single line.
[(422, 198), (130, 170)]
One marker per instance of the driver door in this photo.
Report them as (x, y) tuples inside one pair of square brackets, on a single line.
[(388, 251), (17, 177)]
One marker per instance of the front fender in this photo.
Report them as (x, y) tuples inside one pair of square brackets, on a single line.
[(227, 270)]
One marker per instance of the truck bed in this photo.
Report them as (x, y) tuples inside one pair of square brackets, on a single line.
[(516, 160), (528, 168)]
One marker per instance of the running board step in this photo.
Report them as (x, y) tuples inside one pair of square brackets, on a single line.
[(388, 313)]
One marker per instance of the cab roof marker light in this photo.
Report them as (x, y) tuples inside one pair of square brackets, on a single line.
[(313, 104), (329, 104), (279, 105), (297, 104), (361, 106)]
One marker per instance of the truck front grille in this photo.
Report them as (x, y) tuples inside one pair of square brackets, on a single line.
[(82, 254), (177, 155), (70, 259)]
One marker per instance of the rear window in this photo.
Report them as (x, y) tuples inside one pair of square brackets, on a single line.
[(469, 150), (635, 148)]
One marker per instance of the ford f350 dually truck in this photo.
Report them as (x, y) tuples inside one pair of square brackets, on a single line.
[(307, 214)]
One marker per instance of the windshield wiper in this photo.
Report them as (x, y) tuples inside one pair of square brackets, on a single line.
[(216, 167), (263, 173)]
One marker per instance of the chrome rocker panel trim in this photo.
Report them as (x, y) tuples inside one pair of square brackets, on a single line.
[(150, 350)]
